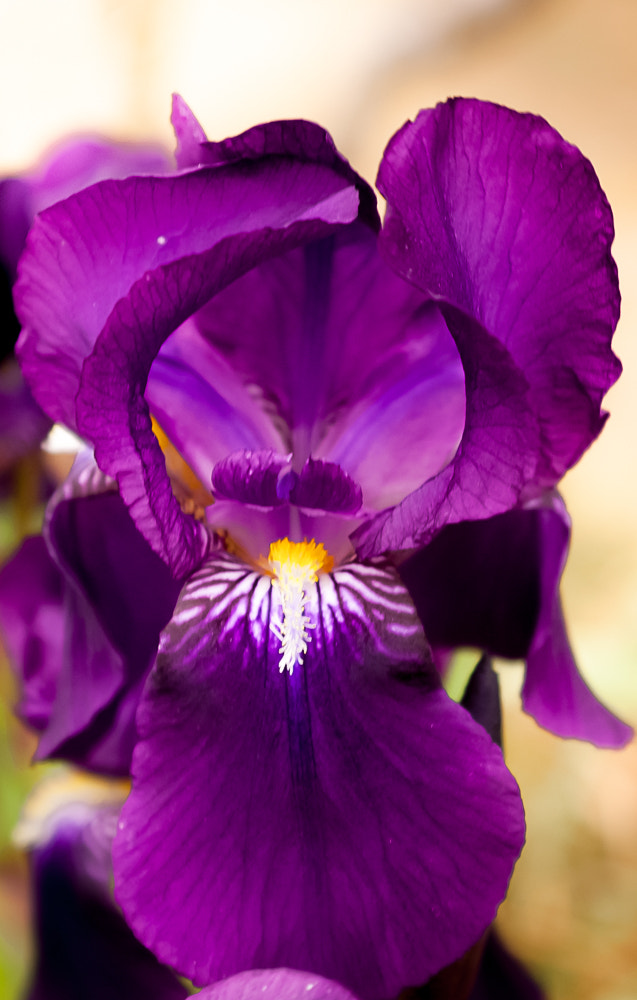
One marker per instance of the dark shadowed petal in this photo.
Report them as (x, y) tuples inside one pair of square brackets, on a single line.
[(83, 947), (9, 325), (495, 584), (350, 818), (482, 699), (15, 218), (280, 984), (492, 214), (117, 582), (82, 621), (502, 977), (324, 486)]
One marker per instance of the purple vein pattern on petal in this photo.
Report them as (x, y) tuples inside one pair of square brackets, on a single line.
[(492, 213), (280, 984), (352, 819), (495, 584)]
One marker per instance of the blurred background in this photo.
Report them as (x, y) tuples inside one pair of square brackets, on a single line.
[(360, 68)]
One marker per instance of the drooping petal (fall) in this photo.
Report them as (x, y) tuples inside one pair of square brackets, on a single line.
[(495, 584), (350, 819)]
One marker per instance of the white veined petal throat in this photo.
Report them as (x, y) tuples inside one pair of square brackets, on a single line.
[(295, 566)]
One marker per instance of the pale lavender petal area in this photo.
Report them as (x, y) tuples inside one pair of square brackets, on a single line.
[(280, 984), (504, 224), (405, 431), (78, 162), (252, 529), (492, 464), (203, 406), (350, 819), (495, 584)]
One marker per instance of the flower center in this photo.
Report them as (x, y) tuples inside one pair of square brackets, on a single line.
[(295, 565)]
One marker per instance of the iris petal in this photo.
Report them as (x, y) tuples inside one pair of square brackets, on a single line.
[(281, 984), (83, 621), (503, 224), (495, 584), (350, 819)]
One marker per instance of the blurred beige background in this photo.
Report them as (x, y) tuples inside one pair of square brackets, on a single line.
[(361, 67)]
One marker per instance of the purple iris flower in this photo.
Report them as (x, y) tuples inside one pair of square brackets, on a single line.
[(304, 792)]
